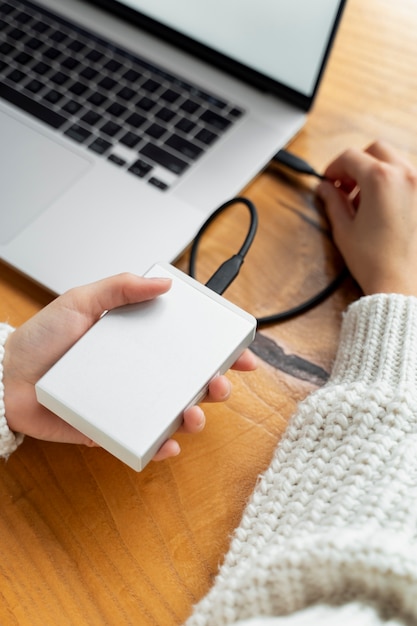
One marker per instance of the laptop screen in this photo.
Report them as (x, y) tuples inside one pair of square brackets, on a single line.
[(277, 44)]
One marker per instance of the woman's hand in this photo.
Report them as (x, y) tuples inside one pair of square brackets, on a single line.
[(34, 347), (372, 207)]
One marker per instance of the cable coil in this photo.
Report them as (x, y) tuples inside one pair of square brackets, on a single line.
[(227, 272)]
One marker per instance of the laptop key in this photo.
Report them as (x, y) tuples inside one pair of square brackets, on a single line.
[(126, 93), (136, 120), (58, 36), (71, 107), (146, 104), (78, 133), (158, 183), (89, 73), (97, 99), (52, 53), (32, 107), (164, 158), (206, 136), (112, 65), (183, 146), (155, 130), (59, 78), (77, 88), (6, 9), (165, 114), (215, 120), (16, 34), (75, 45), (130, 140), (150, 85), (53, 96), (111, 129), (116, 109), (185, 125), (107, 83), (189, 106), (235, 112), (41, 68), (23, 58), (140, 168), (131, 76), (91, 118), (116, 160), (22, 17), (94, 56), (34, 86), (100, 146), (5, 48), (70, 63), (16, 76), (33, 43), (40, 27), (170, 96)]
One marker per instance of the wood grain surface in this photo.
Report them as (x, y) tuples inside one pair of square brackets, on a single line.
[(86, 541)]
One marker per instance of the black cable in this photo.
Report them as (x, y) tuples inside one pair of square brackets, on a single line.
[(228, 271), (295, 163), (305, 306)]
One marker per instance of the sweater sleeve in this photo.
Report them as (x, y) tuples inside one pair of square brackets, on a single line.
[(334, 517), (9, 441)]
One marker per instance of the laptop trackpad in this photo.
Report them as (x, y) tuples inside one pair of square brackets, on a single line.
[(34, 171)]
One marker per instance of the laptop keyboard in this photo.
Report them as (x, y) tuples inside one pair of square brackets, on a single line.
[(135, 114)]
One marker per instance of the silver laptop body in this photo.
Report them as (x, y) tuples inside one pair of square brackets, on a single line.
[(80, 202)]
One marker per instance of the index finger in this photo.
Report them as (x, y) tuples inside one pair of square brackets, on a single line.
[(246, 362), (350, 168)]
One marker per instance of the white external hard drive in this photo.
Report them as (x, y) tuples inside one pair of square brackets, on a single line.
[(127, 381)]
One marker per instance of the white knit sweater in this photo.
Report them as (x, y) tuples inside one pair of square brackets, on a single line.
[(329, 535), (8, 440)]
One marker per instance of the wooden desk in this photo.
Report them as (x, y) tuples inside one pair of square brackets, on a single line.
[(86, 541)]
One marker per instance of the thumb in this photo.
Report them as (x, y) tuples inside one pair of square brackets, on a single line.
[(64, 320), (108, 293)]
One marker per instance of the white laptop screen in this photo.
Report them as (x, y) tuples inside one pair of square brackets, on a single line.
[(284, 40)]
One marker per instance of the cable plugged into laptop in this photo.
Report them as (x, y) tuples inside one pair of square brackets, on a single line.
[(295, 163)]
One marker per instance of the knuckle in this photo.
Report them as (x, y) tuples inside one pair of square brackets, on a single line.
[(411, 177), (381, 171)]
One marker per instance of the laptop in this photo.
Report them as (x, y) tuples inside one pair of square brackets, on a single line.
[(124, 124)]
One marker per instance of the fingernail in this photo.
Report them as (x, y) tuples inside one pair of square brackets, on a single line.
[(201, 420)]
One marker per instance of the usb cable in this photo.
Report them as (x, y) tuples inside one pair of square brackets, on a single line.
[(228, 271)]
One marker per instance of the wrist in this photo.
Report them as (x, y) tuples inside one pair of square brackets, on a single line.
[(390, 286)]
